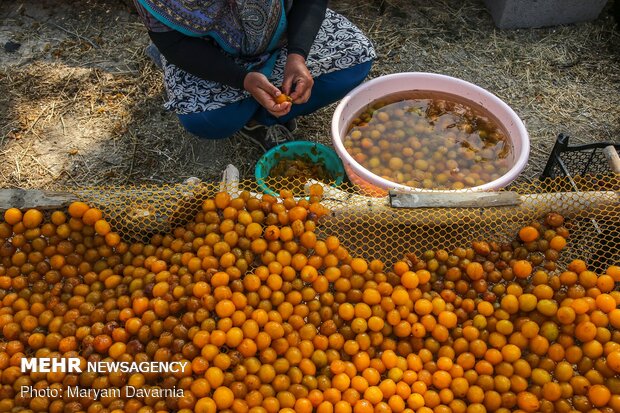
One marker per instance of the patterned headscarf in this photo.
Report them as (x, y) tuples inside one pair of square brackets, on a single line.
[(240, 27)]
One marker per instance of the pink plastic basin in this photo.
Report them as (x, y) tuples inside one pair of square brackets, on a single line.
[(357, 100)]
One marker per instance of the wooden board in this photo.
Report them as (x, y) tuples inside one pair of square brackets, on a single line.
[(612, 157), (345, 206), (34, 198), (453, 199), (349, 207)]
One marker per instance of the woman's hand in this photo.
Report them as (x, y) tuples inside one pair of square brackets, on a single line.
[(265, 93), (297, 79)]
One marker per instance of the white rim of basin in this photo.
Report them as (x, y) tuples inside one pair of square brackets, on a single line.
[(374, 89)]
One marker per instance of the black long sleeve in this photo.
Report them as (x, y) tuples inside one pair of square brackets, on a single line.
[(199, 57), (304, 21), (205, 60)]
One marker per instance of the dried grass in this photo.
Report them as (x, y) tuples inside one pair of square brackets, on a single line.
[(80, 104)]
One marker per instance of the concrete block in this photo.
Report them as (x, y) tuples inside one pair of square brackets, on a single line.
[(514, 14)]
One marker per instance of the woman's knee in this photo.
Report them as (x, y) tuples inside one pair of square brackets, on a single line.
[(362, 71)]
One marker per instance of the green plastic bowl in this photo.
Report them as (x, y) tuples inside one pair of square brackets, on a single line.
[(315, 151)]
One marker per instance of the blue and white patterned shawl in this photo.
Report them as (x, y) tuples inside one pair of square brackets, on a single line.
[(240, 27)]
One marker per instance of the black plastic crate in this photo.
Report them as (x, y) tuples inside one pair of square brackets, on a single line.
[(587, 168), (576, 160)]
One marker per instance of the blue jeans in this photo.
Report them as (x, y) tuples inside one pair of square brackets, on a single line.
[(223, 122)]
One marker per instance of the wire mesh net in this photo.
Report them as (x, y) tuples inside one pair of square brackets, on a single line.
[(371, 229), (199, 258)]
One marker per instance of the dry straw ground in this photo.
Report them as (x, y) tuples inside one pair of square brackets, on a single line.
[(80, 104)]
